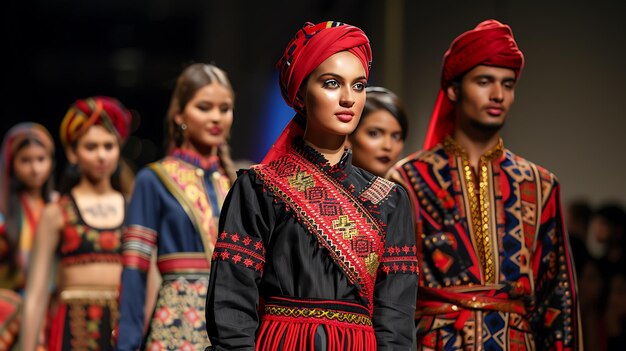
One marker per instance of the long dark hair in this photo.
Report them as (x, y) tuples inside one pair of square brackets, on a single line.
[(192, 79), (12, 204)]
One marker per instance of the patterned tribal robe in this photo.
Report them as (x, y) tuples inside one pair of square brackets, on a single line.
[(496, 269)]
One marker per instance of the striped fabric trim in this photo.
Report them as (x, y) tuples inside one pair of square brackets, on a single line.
[(186, 262), (139, 243)]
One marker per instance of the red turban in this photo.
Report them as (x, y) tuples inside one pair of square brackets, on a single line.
[(99, 110), (311, 46), (491, 43)]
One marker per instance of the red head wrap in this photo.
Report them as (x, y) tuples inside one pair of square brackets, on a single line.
[(311, 46), (99, 110), (491, 43)]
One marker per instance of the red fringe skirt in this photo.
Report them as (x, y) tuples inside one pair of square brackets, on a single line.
[(291, 324)]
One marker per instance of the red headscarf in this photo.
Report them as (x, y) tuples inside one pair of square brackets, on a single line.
[(491, 43), (311, 46), (99, 110)]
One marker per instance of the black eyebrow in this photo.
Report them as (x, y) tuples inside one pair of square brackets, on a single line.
[(337, 76), (485, 76), (492, 78)]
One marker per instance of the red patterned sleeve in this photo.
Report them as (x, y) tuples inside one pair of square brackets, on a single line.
[(556, 315)]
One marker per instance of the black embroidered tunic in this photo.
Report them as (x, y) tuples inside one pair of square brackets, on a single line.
[(308, 249)]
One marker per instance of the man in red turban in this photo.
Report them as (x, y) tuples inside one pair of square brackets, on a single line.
[(496, 270)]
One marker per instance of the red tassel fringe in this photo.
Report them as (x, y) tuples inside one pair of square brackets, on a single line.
[(298, 335)]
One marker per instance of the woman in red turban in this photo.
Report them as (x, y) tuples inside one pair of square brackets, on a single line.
[(83, 230), (314, 253)]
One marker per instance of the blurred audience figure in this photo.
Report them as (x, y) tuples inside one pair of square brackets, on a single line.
[(615, 315), (577, 218), (602, 281), (605, 240), (592, 293)]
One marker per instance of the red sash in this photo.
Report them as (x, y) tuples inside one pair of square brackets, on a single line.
[(338, 220), (186, 183)]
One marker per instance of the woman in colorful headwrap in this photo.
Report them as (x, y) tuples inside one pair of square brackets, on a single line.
[(377, 141), (314, 253), (496, 267), (173, 217), (26, 185), (83, 229)]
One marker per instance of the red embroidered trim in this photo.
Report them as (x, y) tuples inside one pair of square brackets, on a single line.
[(182, 180), (338, 220), (91, 258), (398, 260), (241, 249)]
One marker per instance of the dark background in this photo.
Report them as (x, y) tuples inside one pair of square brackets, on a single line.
[(568, 116)]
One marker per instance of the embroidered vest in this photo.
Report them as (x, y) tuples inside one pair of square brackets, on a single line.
[(186, 183), (338, 220)]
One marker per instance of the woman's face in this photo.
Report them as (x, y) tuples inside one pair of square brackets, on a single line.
[(97, 153), (208, 116), (334, 96), (32, 165), (377, 142)]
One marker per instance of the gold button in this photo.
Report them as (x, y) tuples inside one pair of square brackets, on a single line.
[(199, 172)]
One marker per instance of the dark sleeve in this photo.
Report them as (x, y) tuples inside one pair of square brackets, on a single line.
[(396, 284), (139, 242), (556, 315), (237, 266), (5, 254)]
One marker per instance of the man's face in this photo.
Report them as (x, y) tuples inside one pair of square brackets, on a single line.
[(484, 97)]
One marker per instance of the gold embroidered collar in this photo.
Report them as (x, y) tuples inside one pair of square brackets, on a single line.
[(454, 148)]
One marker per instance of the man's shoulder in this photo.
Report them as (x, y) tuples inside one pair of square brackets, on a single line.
[(429, 157), (524, 163)]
